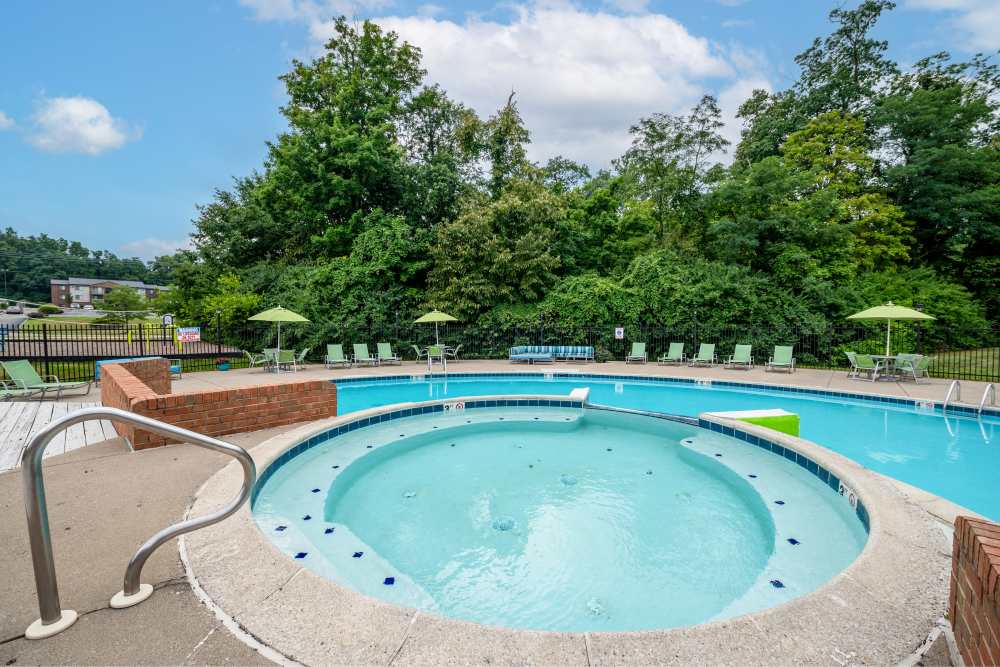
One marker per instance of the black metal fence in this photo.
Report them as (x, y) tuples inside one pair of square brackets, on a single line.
[(69, 350)]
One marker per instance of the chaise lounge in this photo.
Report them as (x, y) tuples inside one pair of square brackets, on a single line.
[(548, 353)]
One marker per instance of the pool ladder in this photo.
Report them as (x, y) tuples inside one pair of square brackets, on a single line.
[(954, 388), (991, 393), (53, 619)]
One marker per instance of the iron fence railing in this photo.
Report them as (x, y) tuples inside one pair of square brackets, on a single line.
[(69, 350)]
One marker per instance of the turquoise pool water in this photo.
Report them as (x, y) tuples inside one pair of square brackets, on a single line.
[(559, 519), (954, 457)]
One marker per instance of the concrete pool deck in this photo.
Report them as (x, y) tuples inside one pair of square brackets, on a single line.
[(94, 534)]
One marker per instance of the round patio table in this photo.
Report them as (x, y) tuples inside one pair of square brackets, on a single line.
[(888, 364)]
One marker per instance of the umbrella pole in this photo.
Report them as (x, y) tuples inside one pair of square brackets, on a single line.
[(437, 341), (888, 328), (277, 355)]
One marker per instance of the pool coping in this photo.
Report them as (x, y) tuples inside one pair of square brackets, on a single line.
[(877, 610), (965, 409)]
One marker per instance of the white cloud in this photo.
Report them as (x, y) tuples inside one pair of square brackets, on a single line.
[(430, 9), (150, 248), (78, 125), (977, 20), (629, 6), (6, 122), (737, 23), (582, 77)]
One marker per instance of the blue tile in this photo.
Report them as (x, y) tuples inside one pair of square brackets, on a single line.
[(834, 482), (307, 517), (389, 581), (777, 583), (793, 541), (358, 554), (281, 528), (315, 490), (302, 554), (328, 531), (779, 502)]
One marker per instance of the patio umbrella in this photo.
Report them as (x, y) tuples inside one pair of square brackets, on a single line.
[(435, 316), (278, 315), (890, 312)]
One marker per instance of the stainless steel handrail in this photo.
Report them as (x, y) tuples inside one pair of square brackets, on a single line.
[(990, 389), (954, 387), (53, 619)]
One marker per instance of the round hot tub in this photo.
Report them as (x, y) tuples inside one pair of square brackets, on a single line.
[(556, 518)]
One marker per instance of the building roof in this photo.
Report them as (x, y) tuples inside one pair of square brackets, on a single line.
[(101, 281)]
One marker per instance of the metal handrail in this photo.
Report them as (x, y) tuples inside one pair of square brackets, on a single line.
[(990, 389), (954, 387), (53, 619)]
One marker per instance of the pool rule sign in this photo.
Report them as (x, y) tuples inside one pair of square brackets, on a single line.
[(619, 333)]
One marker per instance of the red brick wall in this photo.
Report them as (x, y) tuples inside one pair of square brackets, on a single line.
[(154, 373), (215, 413), (974, 602)]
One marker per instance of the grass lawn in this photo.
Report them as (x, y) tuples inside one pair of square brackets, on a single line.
[(77, 321)]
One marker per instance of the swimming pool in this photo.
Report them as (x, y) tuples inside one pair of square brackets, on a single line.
[(954, 457), (556, 518)]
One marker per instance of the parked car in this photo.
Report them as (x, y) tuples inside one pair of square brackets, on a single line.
[(14, 310), (75, 305), (88, 307)]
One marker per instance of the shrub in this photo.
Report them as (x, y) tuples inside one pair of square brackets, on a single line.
[(49, 309)]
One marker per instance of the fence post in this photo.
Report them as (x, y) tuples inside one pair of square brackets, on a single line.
[(218, 332), (45, 346), (142, 339)]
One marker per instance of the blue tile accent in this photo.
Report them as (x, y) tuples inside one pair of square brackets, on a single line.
[(358, 554), (777, 583), (389, 581), (328, 531), (315, 490), (281, 528), (793, 541), (307, 517), (302, 554), (779, 502)]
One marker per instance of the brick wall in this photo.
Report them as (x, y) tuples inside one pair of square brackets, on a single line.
[(214, 413), (974, 601)]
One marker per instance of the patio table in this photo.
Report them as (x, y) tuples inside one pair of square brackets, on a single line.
[(888, 362)]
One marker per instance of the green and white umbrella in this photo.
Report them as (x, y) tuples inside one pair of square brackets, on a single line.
[(278, 315), (435, 316), (890, 312)]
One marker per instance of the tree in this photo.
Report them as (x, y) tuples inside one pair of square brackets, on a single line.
[(500, 252), (121, 304), (670, 162), (847, 70)]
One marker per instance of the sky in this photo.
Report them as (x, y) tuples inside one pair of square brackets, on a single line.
[(119, 118)]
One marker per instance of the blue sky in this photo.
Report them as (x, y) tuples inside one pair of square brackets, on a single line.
[(118, 118)]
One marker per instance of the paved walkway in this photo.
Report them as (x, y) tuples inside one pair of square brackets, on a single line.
[(21, 420), (837, 380)]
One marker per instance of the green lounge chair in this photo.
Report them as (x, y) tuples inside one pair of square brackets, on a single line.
[(176, 368), (740, 358), (673, 355), (421, 354), (361, 355), (270, 358), (385, 355), (863, 363), (335, 356), (254, 360), (914, 365), (300, 359), (705, 356), (286, 358), (637, 355), (452, 352), (436, 352), (23, 375), (8, 392), (782, 359)]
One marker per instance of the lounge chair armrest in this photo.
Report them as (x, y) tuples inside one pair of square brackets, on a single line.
[(51, 378)]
